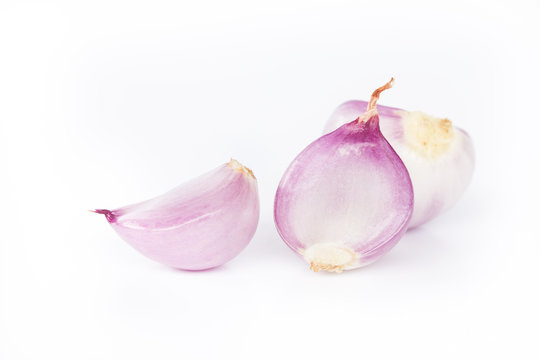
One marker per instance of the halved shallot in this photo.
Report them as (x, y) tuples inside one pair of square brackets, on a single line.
[(347, 198)]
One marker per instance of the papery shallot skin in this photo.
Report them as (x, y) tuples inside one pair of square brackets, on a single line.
[(345, 200), (198, 225), (440, 157)]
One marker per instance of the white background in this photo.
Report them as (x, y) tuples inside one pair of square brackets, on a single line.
[(103, 104)]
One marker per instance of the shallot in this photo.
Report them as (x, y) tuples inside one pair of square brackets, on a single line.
[(198, 225), (439, 156), (347, 198)]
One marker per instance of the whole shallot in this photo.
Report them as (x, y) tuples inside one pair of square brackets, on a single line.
[(438, 155)]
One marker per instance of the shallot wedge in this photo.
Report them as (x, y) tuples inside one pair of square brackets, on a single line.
[(198, 225)]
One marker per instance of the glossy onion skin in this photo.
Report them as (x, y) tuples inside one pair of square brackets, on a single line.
[(438, 182), (198, 225), (347, 188)]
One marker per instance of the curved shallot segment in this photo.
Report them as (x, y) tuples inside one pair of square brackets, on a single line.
[(199, 225)]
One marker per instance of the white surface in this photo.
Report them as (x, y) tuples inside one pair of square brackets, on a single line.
[(105, 104)]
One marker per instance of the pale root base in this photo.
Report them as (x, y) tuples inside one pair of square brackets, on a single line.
[(234, 164), (330, 257), (429, 136)]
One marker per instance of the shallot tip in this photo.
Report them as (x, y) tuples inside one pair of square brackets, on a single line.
[(372, 106)]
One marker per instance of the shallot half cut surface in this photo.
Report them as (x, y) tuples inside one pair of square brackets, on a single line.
[(439, 156), (347, 198), (198, 225)]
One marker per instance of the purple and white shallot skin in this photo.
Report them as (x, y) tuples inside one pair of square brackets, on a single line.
[(347, 198), (439, 156), (198, 225)]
